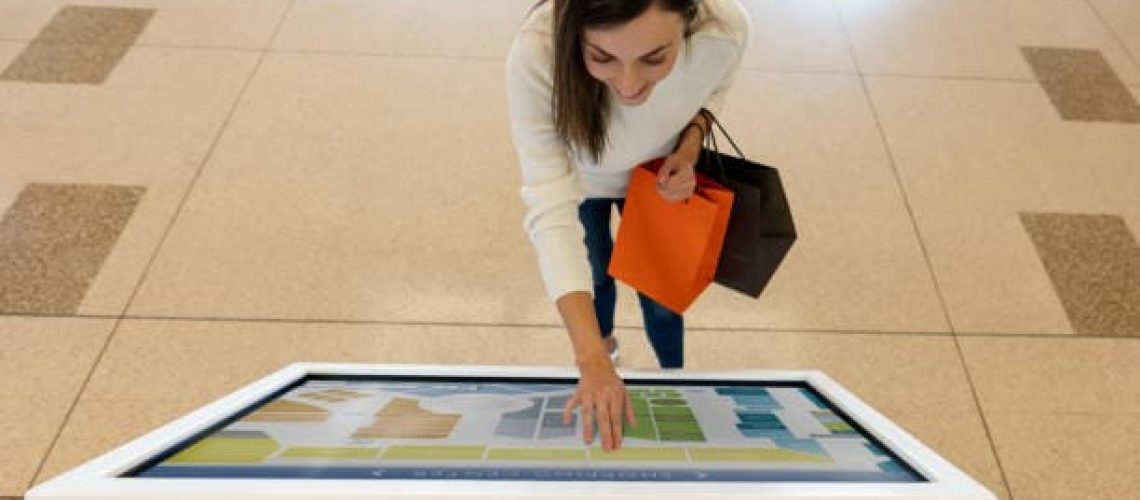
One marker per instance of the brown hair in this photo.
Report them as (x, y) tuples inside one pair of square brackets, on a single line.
[(580, 102)]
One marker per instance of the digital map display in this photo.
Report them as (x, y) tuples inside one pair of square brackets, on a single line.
[(506, 430)]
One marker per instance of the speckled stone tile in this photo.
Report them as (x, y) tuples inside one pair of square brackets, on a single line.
[(973, 38), (65, 63), (97, 426), (79, 45), (43, 363), (53, 241), (1072, 456), (95, 25), (1094, 263), (1060, 374), (27, 427), (175, 23), (1082, 85), (998, 149)]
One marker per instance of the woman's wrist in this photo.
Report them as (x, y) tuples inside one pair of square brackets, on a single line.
[(691, 140)]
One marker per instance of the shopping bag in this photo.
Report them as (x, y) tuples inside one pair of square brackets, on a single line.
[(761, 229), (668, 250)]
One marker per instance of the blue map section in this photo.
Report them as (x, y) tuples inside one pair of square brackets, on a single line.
[(805, 445), (811, 396)]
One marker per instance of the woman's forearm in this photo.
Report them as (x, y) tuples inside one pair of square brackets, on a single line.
[(577, 309), (693, 136)]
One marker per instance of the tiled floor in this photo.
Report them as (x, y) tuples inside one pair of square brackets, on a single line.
[(334, 180)]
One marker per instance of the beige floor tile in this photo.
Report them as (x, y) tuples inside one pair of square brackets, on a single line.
[(43, 363), (48, 357), (27, 427), (348, 187), (1123, 17), (996, 150), (206, 360), (1069, 456), (1055, 375), (796, 35), (202, 23), (404, 27), (150, 125), (973, 38), (98, 426), (436, 237)]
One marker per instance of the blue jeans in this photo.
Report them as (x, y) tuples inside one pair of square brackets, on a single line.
[(666, 329)]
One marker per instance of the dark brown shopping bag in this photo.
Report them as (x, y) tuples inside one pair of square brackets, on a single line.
[(760, 229), (669, 250)]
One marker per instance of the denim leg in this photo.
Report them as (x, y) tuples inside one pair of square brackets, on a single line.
[(595, 216), (666, 329)]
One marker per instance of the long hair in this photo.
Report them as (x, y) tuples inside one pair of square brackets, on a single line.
[(581, 104)]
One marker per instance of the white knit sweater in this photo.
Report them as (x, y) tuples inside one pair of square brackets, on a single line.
[(556, 180)]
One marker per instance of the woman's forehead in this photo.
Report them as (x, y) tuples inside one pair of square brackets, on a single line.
[(640, 36)]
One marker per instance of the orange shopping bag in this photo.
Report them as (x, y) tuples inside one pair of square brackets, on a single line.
[(669, 250)]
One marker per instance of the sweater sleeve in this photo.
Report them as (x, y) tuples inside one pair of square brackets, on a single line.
[(550, 187), (737, 27)]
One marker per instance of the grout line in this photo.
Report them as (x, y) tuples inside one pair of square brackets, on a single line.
[(895, 171), (158, 249), (926, 255), (1135, 58), (982, 415), (392, 55), (476, 324)]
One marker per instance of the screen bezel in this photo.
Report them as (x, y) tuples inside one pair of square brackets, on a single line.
[(99, 478)]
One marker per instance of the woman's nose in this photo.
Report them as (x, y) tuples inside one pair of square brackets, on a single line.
[(628, 84)]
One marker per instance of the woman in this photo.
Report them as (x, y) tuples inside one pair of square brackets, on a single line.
[(596, 87)]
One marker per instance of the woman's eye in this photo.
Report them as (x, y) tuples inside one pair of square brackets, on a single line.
[(654, 62), (602, 60)]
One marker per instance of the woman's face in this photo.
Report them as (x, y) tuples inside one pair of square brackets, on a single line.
[(631, 59)]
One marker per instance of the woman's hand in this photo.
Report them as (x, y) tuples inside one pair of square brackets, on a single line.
[(677, 178), (602, 396)]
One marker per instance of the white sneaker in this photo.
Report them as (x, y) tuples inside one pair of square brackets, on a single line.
[(615, 353)]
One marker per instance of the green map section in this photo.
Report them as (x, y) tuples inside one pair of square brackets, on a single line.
[(354, 453), (234, 447), (662, 415)]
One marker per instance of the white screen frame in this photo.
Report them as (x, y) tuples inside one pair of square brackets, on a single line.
[(98, 478)]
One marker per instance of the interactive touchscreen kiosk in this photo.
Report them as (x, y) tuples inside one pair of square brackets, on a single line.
[(385, 431)]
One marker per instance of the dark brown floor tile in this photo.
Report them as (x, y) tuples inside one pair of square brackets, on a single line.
[(1082, 85), (79, 45), (53, 241), (96, 25), (65, 63), (1094, 263)]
